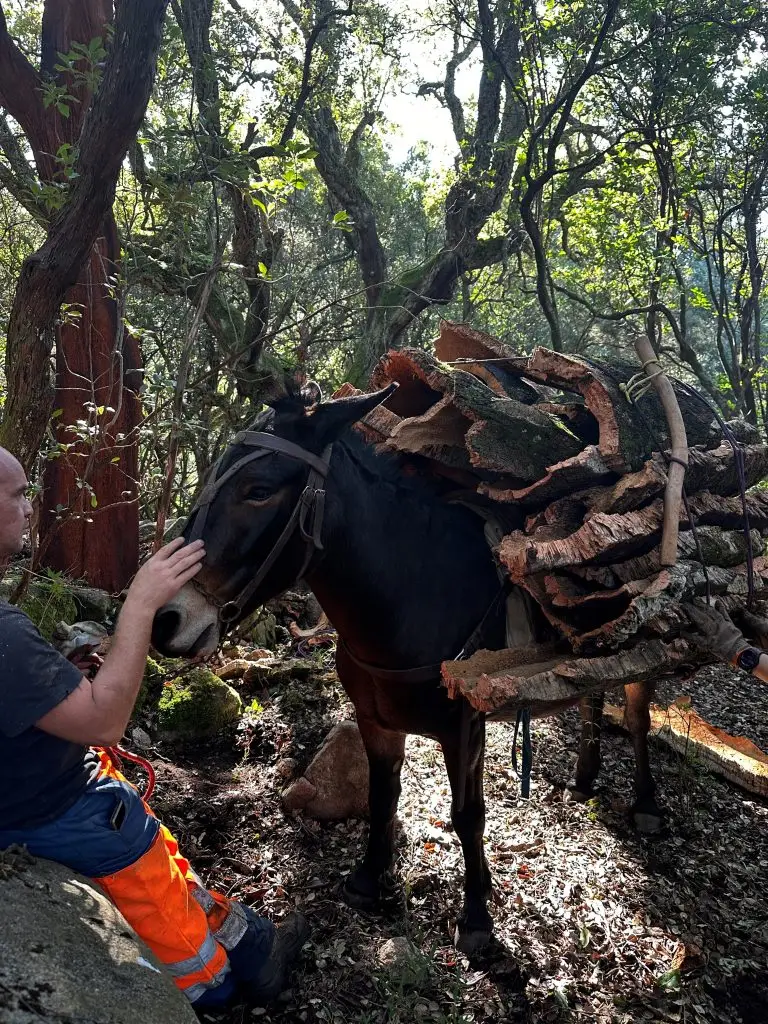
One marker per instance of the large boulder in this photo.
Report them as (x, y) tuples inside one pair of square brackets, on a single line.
[(335, 784), (47, 602), (67, 956)]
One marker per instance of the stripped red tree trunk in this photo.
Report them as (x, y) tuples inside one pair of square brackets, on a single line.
[(96, 369), (89, 510)]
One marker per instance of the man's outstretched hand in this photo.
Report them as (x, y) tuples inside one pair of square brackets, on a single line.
[(97, 712), (754, 626), (715, 630), (165, 573)]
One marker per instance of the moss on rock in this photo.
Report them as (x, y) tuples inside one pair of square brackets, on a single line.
[(151, 686), (198, 705), (47, 603)]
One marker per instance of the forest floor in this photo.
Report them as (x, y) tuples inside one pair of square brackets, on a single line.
[(593, 922)]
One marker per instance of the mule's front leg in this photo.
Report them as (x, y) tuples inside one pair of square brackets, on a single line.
[(647, 814), (475, 925), (385, 752)]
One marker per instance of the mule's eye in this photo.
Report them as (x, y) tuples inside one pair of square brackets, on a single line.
[(257, 496)]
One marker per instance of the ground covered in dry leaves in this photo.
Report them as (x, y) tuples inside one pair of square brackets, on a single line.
[(593, 922)]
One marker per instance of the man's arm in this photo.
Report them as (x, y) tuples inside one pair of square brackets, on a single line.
[(720, 635), (97, 712)]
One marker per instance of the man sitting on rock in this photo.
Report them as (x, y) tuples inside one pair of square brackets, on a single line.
[(62, 798)]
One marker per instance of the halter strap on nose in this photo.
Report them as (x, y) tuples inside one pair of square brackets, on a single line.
[(307, 514)]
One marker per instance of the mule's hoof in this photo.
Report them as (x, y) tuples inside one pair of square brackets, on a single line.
[(471, 942), (648, 823), (364, 893), (573, 795), (358, 900)]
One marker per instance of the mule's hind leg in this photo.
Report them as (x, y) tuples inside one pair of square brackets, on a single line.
[(588, 763), (385, 752), (647, 814), (475, 925)]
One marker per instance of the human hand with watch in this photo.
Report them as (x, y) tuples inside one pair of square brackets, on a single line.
[(718, 633)]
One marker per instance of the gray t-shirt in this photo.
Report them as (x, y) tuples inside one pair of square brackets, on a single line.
[(41, 776)]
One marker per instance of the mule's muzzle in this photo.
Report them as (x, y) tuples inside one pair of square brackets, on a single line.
[(187, 626)]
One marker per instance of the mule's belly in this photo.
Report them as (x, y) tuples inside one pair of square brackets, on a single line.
[(423, 709)]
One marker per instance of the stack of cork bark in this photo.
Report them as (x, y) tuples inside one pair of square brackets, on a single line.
[(555, 445)]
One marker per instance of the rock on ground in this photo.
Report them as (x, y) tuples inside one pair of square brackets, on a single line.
[(335, 785), (197, 705), (67, 955), (400, 959)]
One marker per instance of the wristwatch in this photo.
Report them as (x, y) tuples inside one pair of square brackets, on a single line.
[(749, 659)]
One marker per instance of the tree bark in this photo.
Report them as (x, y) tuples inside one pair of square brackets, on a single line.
[(500, 683), (95, 361), (96, 369), (506, 436)]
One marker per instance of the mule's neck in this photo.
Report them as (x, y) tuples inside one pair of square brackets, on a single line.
[(405, 577)]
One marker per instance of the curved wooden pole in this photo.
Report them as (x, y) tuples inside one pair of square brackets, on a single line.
[(679, 444)]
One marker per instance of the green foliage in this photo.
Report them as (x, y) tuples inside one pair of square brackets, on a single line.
[(654, 192), (48, 601)]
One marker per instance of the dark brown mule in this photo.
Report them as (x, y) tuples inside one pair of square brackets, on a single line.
[(406, 579)]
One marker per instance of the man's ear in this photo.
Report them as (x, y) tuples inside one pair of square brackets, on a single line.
[(331, 419)]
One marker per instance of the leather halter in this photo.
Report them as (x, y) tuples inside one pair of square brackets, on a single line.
[(307, 514)]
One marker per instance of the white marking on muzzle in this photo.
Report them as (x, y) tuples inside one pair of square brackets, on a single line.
[(196, 616)]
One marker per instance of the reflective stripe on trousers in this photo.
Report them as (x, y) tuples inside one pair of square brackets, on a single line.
[(155, 896)]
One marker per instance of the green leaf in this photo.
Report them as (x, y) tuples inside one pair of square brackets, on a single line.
[(669, 982)]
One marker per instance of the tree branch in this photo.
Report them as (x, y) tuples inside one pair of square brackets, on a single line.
[(452, 101), (331, 162), (18, 177), (537, 182), (20, 84)]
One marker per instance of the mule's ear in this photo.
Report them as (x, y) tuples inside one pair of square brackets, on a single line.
[(275, 388), (332, 418)]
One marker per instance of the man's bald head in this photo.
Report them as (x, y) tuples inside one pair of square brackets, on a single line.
[(9, 464), (15, 507)]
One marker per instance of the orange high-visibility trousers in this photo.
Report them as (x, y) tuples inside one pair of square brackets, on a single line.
[(188, 928)]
